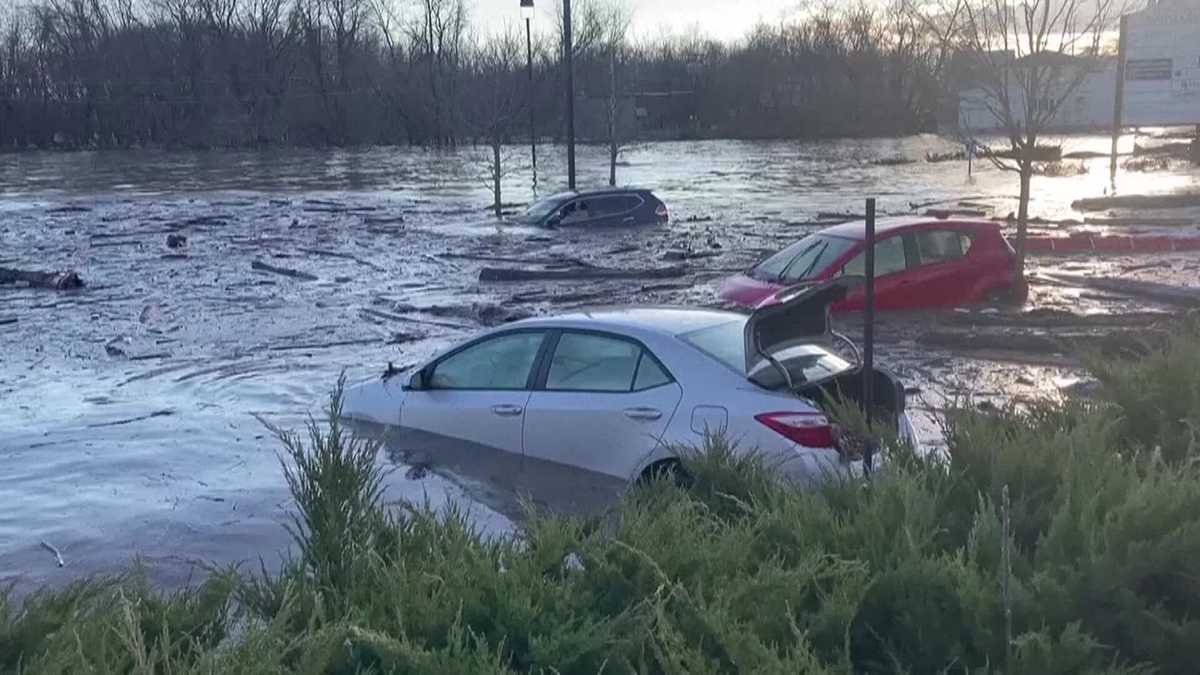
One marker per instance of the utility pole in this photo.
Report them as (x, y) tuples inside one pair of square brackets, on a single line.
[(569, 58), (527, 12), (868, 366), (1118, 103)]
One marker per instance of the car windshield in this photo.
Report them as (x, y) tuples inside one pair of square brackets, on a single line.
[(540, 210), (803, 260), (804, 362)]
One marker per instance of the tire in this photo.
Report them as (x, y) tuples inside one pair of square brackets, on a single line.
[(666, 469)]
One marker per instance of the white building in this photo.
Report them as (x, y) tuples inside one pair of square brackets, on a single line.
[(1088, 107), (1162, 78)]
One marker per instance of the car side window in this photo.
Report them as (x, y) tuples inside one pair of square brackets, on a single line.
[(889, 259), (615, 205), (576, 211), (598, 363), (939, 246), (965, 241), (649, 374), (500, 363)]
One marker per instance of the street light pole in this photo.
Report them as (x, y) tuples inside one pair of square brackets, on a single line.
[(569, 57), (527, 12)]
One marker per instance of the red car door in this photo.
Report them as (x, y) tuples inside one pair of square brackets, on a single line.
[(892, 280), (942, 277)]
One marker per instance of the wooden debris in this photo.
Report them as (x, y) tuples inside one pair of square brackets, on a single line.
[(1176, 201), (1142, 221), (176, 240), (57, 555), (950, 213), (7, 320), (157, 413), (1183, 296), (344, 256), (59, 281), (295, 274), (506, 274)]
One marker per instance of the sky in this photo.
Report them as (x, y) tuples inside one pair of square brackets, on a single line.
[(722, 19)]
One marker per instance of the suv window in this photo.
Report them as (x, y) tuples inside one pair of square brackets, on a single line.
[(501, 363), (889, 259), (938, 246), (584, 362), (615, 205)]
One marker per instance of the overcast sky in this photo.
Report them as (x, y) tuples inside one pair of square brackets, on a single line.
[(724, 19)]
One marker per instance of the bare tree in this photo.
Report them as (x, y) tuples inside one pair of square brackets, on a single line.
[(438, 34), (496, 102), (1029, 58), (615, 18)]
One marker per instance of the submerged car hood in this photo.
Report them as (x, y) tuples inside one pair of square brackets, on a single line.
[(799, 314)]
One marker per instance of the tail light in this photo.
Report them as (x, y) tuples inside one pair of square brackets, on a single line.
[(812, 430), (662, 212)]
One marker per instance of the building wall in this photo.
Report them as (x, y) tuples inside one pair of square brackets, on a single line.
[(1162, 73), (1089, 107)]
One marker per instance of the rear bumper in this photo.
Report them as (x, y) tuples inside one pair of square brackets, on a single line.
[(809, 467)]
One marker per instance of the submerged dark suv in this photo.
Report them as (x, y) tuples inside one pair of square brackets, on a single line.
[(598, 208)]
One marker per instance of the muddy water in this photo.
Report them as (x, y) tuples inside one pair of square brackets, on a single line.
[(130, 411)]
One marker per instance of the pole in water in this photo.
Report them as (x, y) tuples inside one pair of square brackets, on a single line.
[(1118, 104), (868, 367), (532, 125), (569, 57)]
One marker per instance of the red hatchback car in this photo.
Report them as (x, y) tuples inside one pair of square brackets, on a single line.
[(920, 263)]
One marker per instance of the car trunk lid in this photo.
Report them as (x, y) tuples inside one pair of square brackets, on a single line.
[(800, 315)]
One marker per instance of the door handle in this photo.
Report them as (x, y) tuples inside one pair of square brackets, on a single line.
[(507, 410), (643, 414)]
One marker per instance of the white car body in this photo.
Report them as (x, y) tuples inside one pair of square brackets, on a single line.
[(578, 449)]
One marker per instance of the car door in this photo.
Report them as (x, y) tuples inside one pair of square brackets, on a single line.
[(468, 411), (577, 212), (892, 284), (619, 210), (943, 277), (600, 407)]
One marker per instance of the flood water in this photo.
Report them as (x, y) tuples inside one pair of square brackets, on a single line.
[(130, 411)]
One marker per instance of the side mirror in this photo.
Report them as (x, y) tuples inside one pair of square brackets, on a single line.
[(416, 382)]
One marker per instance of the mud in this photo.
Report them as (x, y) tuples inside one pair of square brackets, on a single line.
[(129, 409)]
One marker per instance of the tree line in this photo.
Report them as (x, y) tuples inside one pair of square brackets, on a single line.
[(221, 73)]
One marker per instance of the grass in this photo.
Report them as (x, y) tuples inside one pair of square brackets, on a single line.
[(1057, 538)]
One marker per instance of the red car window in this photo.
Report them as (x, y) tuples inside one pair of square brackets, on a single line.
[(939, 246), (889, 259)]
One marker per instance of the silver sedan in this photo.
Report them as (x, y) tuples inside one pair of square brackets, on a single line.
[(573, 409)]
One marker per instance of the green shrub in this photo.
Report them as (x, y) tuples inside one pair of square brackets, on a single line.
[(1050, 539)]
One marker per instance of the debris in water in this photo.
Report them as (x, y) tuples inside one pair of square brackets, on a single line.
[(176, 241), (57, 556), (1176, 201), (156, 413), (59, 281), (508, 274), (295, 274)]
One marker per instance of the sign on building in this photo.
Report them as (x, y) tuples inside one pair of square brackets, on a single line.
[(1162, 64)]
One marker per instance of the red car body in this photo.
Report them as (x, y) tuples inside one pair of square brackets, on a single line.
[(920, 263)]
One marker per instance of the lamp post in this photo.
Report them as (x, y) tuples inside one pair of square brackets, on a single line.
[(527, 14), (569, 57)]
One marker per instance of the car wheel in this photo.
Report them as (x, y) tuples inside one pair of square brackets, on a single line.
[(667, 469)]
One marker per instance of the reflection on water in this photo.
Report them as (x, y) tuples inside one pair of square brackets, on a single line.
[(126, 423)]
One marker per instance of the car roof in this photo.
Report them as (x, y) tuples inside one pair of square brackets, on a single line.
[(663, 320), (857, 229), (598, 192)]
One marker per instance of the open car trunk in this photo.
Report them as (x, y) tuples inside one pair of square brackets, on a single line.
[(848, 388), (778, 332)]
